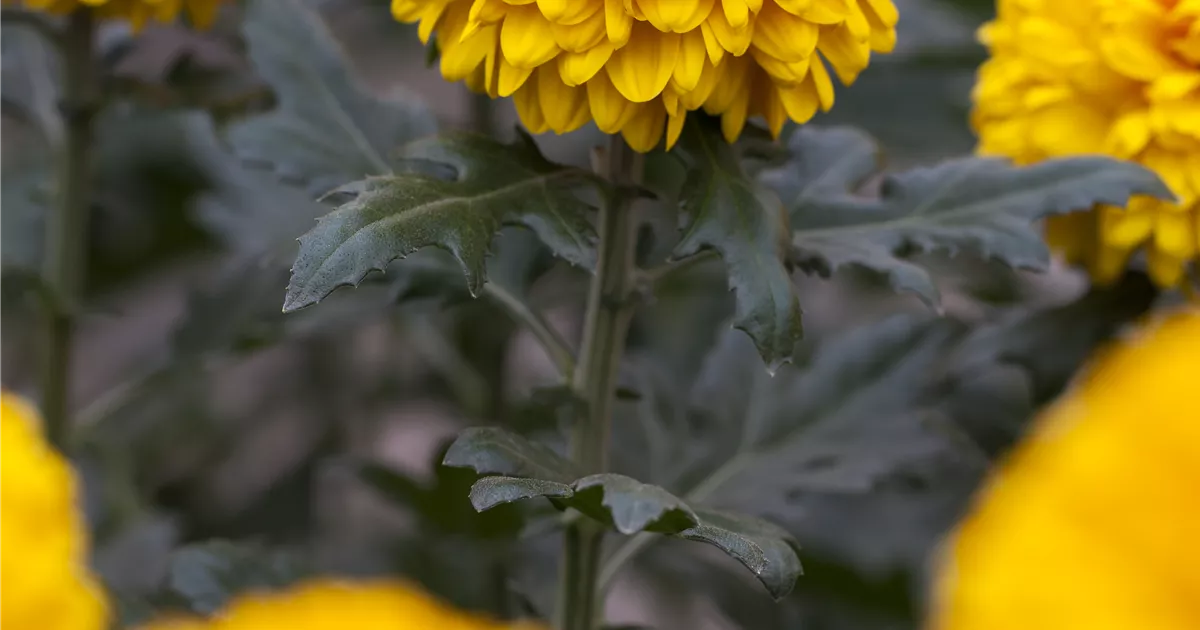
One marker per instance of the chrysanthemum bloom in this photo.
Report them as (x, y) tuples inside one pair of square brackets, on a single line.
[(336, 605), (1092, 523), (1115, 77), (201, 13), (44, 580), (638, 66)]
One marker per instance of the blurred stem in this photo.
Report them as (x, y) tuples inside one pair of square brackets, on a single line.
[(556, 348), (67, 223), (610, 306)]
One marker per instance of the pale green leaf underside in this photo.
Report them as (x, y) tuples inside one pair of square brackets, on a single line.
[(393, 216)]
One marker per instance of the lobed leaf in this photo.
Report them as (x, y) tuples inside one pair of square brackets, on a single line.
[(392, 216), (328, 129), (983, 206), (746, 224)]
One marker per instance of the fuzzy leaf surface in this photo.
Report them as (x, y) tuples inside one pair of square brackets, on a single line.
[(983, 206), (746, 224), (392, 216), (766, 549)]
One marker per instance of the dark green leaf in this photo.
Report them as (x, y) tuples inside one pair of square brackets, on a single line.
[(489, 492), (981, 206), (630, 505), (493, 451), (207, 575), (328, 129), (746, 224), (621, 502), (391, 217), (769, 551), (527, 469)]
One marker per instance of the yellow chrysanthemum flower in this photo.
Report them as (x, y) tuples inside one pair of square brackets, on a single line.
[(1117, 77), (1092, 524), (638, 66), (336, 605), (201, 13), (44, 581)]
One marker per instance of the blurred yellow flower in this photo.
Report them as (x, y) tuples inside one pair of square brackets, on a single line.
[(337, 605), (44, 580), (638, 66), (1092, 524), (1116, 77), (201, 13)]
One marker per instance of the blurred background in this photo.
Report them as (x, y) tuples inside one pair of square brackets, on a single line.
[(309, 441)]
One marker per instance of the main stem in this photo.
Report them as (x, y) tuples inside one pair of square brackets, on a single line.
[(67, 223), (609, 310)]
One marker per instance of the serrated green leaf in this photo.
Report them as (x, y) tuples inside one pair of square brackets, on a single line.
[(983, 206), (494, 451), (327, 129), (769, 551), (746, 224), (393, 216)]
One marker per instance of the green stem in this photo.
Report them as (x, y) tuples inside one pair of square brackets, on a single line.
[(610, 306), (67, 223)]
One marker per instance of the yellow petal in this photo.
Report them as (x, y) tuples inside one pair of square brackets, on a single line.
[(643, 67)]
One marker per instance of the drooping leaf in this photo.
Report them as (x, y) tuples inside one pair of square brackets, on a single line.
[(766, 549), (630, 505), (327, 129), (390, 217), (490, 492), (981, 206), (527, 470), (746, 224)]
